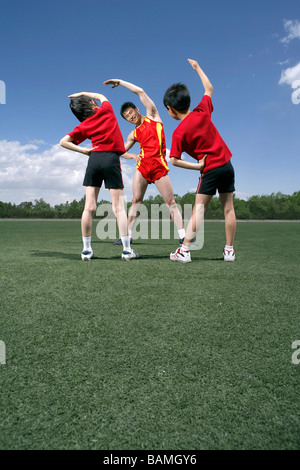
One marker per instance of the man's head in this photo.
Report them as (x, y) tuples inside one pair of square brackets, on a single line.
[(131, 113), (177, 99), (83, 107)]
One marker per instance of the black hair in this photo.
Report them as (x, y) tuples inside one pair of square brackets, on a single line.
[(81, 107), (126, 105), (178, 97)]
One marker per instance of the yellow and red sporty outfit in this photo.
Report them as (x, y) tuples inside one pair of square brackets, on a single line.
[(151, 137)]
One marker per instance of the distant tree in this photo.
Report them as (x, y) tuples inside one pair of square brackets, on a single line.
[(242, 210), (5, 210), (260, 207), (62, 211), (273, 206), (188, 198), (42, 209), (214, 210)]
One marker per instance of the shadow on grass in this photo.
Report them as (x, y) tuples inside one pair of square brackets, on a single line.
[(68, 256), (76, 257)]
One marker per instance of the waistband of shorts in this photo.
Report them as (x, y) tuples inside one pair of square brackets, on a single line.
[(105, 153)]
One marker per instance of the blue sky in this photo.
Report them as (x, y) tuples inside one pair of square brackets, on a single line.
[(249, 50)]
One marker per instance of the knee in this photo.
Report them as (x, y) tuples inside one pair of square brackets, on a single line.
[(229, 211), (171, 203), (90, 209), (136, 201)]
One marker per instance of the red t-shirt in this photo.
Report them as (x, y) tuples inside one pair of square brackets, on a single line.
[(102, 129), (197, 136)]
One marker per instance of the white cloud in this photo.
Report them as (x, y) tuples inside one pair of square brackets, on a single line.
[(242, 195), (290, 75), (292, 27), (284, 62), (55, 174)]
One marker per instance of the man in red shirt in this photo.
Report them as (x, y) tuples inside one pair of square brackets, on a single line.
[(151, 162), (197, 136), (100, 125)]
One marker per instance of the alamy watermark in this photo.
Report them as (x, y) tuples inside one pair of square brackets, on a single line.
[(2, 92), (296, 354), (296, 93), (153, 223), (2, 353)]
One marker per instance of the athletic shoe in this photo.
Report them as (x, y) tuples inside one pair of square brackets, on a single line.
[(119, 242), (128, 255), (193, 245), (181, 256), (87, 255), (228, 255)]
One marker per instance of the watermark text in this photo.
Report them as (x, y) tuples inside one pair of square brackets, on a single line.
[(296, 93), (2, 353), (296, 354), (2, 92), (160, 221)]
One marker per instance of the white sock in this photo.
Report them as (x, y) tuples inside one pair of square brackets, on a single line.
[(181, 233), (185, 248), (130, 233), (126, 243), (87, 243), (228, 248)]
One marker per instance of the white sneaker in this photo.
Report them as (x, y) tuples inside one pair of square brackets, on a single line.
[(181, 256), (128, 255), (87, 255), (228, 255), (193, 246)]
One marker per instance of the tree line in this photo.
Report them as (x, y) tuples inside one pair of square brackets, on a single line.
[(273, 207)]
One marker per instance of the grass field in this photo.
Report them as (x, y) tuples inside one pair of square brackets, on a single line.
[(149, 354)]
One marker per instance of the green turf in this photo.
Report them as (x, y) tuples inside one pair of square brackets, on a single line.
[(149, 354)]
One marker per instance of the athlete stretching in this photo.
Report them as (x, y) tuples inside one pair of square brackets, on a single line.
[(151, 163), (99, 124)]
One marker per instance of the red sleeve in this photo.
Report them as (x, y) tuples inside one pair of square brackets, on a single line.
[(77, 135), (205, 105)]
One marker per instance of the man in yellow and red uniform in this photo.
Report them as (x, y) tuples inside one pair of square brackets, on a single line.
[(151, 137), (151, 162)]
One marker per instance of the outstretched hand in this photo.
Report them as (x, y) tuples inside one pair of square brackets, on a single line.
[(112, 82), (194, 64)]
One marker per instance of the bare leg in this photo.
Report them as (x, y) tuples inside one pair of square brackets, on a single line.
[(201, 203), (165, 188), (139, 187), (117, 199), (226, 200), (91, 196)]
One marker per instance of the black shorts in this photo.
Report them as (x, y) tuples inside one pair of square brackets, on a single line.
[(221, 179), (104, 166)]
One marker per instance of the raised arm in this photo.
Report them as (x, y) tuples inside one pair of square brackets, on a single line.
[(205, 80), (151, 109), (93, 96)]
